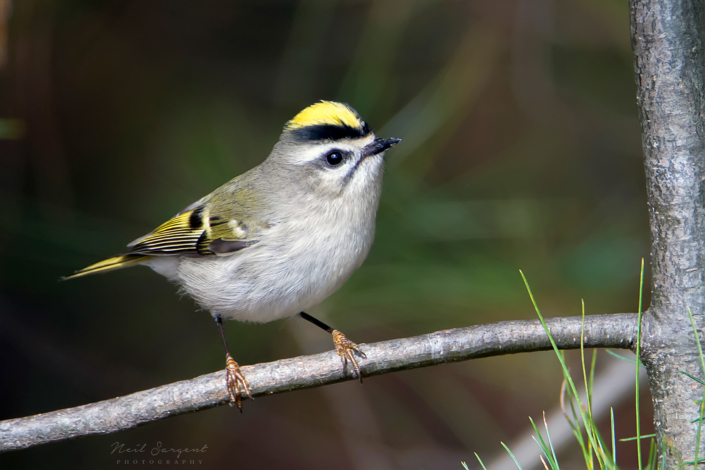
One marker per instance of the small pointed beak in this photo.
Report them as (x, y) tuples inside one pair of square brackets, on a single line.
[(379, 146)]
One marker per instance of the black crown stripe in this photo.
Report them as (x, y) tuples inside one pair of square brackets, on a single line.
[(330, 132)]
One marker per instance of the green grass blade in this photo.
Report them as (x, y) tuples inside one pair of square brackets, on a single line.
[(582, 355), (598, 438), (585, 381), (547, 449), (604, 457), (541, 443), (651, 463), (690, 462), (638, 359), (592, 376), (566, 373), (645, 436), (548, 436), (700, 381), (575, 422), (614, 443), (620, 357), (511, 455), (702, 403), (479, 460)]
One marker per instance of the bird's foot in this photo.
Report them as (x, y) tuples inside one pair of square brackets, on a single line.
[(235, 382), (347, 350)]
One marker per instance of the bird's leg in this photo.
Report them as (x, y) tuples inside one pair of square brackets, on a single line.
[(234, 380), (345, 348)]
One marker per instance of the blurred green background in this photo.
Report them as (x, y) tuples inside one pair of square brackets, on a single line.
[(521, 150)]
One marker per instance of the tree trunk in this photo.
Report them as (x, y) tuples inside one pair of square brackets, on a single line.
[(669, 70)]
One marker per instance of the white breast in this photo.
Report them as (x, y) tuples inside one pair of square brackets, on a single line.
[(295, 266)]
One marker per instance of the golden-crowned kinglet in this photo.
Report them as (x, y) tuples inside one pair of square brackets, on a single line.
[(280, 238)]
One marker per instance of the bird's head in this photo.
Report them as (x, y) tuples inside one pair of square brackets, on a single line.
[(331, 152)]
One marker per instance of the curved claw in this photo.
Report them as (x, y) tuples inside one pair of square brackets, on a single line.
[(236, 382), (347, 350)]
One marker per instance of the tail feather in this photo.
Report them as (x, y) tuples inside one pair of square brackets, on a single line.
[(110, 264)]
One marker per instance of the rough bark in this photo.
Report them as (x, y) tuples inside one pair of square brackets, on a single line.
[(207, 391), (668, 62)]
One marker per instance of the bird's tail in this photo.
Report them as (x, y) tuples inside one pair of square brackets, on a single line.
[(110, 264)]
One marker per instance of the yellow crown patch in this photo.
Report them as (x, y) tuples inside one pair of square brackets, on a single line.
[(326, 113)]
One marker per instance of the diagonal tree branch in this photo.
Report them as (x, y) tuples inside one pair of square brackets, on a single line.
[(207, 391)]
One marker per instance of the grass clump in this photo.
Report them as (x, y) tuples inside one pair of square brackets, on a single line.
[(597, 451)]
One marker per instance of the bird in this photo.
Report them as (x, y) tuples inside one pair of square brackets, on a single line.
[(280, 238)]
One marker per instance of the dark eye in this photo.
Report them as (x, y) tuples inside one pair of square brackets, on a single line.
[(334, 158)]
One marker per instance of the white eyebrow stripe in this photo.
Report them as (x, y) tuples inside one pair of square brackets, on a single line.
[(316, 151)]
